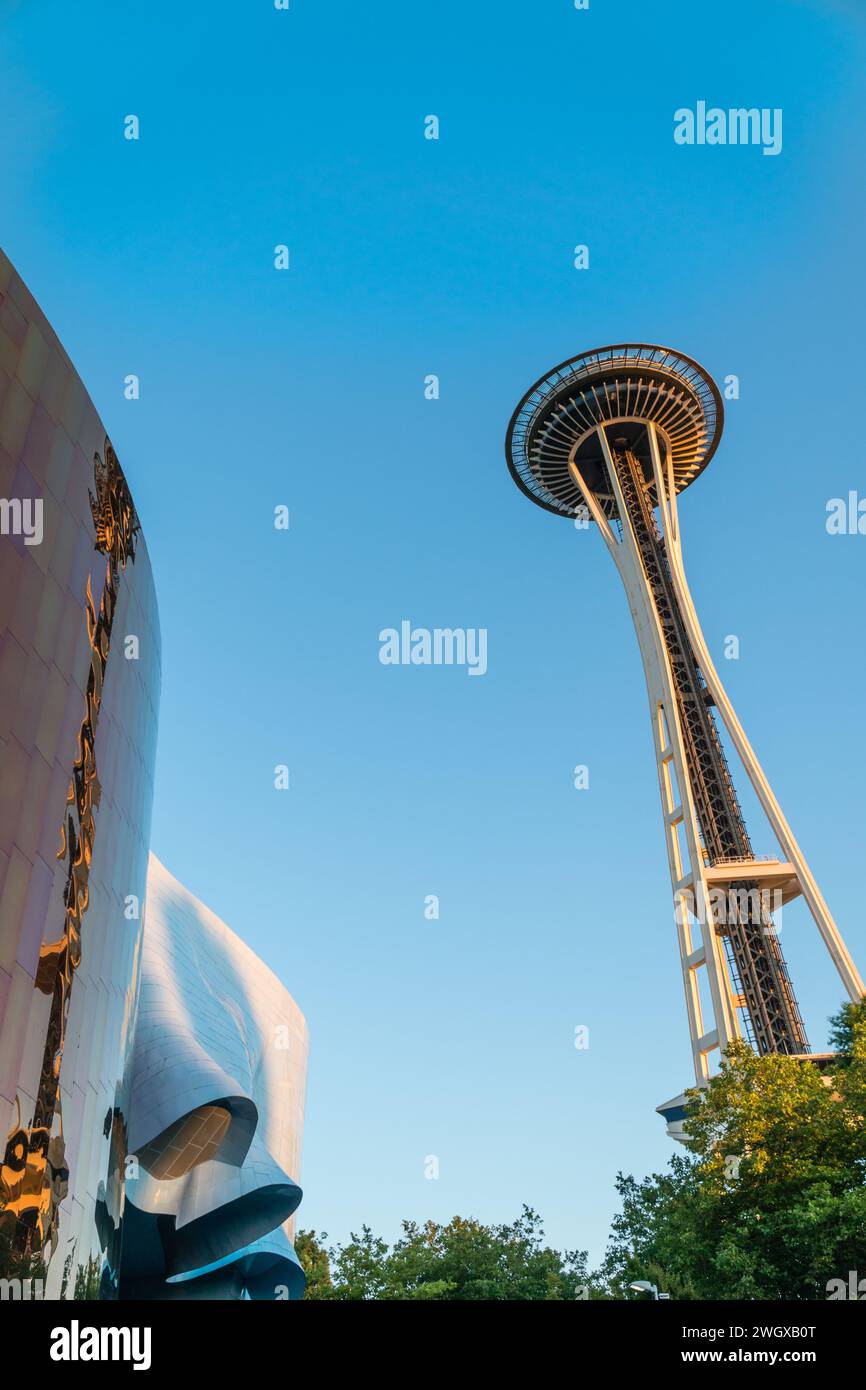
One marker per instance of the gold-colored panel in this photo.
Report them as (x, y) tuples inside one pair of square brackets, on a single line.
[(33, 1174), (192, 1139)]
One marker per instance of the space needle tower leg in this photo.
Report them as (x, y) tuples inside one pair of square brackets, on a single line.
[(711, 1010), (803, 879)]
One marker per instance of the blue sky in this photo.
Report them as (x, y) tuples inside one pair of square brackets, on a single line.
[(409, 257)]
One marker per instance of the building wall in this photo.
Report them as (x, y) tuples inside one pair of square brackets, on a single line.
[(78, 722), (216, 1112)]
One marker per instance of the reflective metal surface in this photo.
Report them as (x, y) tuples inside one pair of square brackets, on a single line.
[(78, 718), (216, 1113)]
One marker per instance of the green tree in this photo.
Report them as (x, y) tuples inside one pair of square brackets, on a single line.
[(315, 1262), (461, 1260), (771, 1201)]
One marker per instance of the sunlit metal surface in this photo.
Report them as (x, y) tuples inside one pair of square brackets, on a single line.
[(78, 717), (216, 1113)]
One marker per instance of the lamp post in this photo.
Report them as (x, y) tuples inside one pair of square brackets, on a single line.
[(644, 1286)]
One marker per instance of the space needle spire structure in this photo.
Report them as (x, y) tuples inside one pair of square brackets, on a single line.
[(612, 437)]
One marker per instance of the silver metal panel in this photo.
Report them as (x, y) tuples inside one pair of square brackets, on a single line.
[(216, 1111)]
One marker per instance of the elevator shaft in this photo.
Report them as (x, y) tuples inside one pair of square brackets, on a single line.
[(759, 974)]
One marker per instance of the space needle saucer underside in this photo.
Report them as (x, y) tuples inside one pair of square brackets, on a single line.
[(621, 388)]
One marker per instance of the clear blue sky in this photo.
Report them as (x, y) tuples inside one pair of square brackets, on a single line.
[(410, 257)]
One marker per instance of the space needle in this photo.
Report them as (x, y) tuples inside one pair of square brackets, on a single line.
[(613, 437)]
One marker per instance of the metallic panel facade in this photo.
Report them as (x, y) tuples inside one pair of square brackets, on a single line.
[(78, 723), (216, 1113)]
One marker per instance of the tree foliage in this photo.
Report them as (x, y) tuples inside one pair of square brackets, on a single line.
[(771, 1201), (461, 1260)]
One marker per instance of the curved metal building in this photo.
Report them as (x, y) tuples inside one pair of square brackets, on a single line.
[(216, 1113), (79, 692)]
